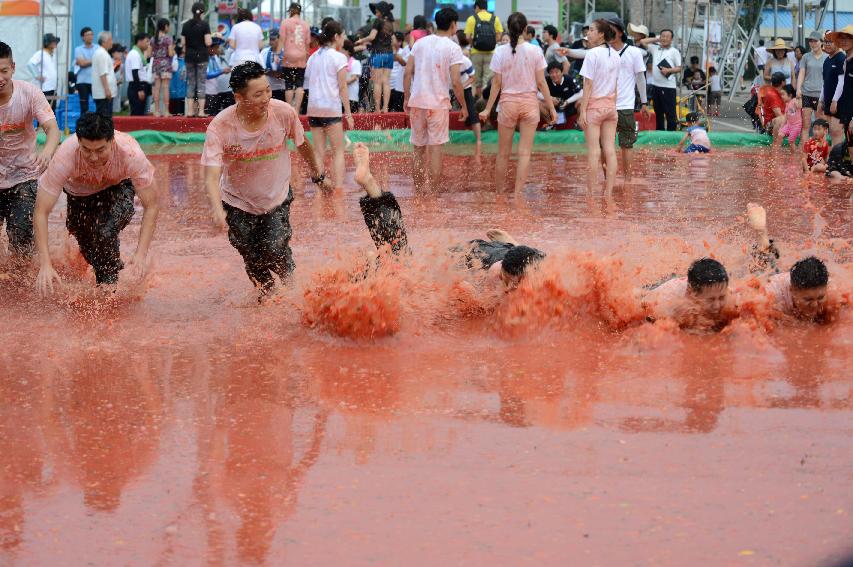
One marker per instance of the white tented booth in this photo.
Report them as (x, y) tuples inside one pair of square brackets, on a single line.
[(23, 33)]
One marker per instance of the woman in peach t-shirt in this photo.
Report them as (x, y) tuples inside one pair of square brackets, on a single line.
[(519, 72), (295, 40)]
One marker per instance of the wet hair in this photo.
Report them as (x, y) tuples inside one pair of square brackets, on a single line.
[(140, 37), (244, 15), (518, 258), (792, 92), (162, 24), (693, 117), (776, 79), (5, 51), (330, 30), (552, 31), (820, 122), (481, 4), (198, 10), (462, 39), (606, 29), (419, 23), (94, 126), (445, 17), (809, 273), (554, 65), (243, 73), (84, 30), (515, 24), (706, 272), (661, 32)]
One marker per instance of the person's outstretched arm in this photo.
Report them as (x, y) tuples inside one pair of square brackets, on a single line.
[(683, 141), (47, 275)]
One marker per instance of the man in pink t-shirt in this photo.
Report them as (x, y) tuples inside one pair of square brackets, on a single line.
[(295, 41), (247, 174), (99, 170), (20, 104), (433, 66)]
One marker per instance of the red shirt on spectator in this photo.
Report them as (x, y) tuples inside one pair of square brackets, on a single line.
[(816, 151), (770, 99)]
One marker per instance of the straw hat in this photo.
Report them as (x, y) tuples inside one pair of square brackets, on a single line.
[(779, 44), (638, 29), (833, 36)]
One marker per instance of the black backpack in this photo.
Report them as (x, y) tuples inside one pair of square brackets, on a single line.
[(485, 35)]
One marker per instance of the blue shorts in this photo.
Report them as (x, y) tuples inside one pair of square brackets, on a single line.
[(382, 61), (693, 149)]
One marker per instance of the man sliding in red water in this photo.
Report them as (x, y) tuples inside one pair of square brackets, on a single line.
[(801, 293), (99, 170), (247, 174), (500, 255)]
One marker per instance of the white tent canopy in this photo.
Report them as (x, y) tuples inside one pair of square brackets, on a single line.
[(24, 35)]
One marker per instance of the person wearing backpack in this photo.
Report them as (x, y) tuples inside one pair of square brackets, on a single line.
[(482, 30)]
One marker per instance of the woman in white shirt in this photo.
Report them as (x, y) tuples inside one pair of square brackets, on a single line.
[(326, 76), (246, 39), (519, 72), (597, 113)]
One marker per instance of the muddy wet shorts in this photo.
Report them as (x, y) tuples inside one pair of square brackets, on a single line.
[(263, 241), (96, 221), (294, 78), (16, 212), (384, 221), (626, 128)]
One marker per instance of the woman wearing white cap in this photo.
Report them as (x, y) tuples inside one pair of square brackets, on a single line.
[(779, 63)]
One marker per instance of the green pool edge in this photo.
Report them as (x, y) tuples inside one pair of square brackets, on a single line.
[(156, 141)]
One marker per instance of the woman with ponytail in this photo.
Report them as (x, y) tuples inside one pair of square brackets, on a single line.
[(519, 72), (326, 75), (597, 113)]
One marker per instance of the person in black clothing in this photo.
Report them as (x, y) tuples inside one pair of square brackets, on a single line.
[(384, 219), (564, 90), (196, 39), (687, 79), (581, 43), (138, 87), (833, 67)]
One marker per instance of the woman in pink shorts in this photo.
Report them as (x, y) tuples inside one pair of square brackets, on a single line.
[(519, 72), (597, 114)]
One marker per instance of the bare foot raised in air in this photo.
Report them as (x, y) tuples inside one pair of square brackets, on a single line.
[(757, 217), (499, 235), (363, 176)]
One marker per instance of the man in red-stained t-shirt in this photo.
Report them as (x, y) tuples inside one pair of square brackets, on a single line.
[(770, 103)]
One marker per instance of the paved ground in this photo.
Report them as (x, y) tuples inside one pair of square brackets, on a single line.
[(732, 117)]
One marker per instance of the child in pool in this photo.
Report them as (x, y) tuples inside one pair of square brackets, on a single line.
[(816, 148), (499, 255), (801, 293), (699, 141), (793, 119), (699, 302)]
